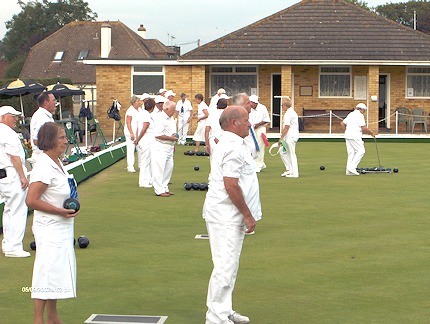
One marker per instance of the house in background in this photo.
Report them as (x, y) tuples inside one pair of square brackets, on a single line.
[(324, 54), (62, 55)]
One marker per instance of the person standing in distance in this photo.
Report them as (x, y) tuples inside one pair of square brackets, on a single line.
[(131, 130), (354, 126), (259, 118), (183, 109), (47, 106), (290, 135), (231, 208), (162, 150), (13, 184)]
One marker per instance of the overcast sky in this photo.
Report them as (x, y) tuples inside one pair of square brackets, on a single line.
[(176, 22)]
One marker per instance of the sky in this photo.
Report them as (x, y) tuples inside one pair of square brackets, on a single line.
[(176, 22)]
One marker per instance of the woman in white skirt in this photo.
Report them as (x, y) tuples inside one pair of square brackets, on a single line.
[(54, 272), (144, 142), (202, 115)]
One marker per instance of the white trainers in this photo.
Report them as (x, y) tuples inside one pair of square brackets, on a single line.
[(351, 172), (17, 254), (285, 173), (132, 170), (238, 319)]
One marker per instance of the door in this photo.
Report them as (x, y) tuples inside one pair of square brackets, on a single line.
[(383, 102), (276, 101)]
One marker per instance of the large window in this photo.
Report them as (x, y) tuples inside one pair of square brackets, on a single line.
[(418, 82), (335, 81), (147, 78), (234, 79)]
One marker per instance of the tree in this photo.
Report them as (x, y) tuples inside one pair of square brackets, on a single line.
[(38, 20), (403, 13), (359, 3)]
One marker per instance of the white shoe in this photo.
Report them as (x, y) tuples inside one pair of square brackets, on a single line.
[(285, 173), (238, 319), (350, 172), (291, 176), (17, 254), (132, 170)]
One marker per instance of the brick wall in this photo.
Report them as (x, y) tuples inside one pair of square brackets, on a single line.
[(113, 83)]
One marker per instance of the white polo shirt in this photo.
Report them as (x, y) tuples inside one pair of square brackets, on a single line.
[(259, 114), (48, 172), (184, 109), (10, 144), (354, 121), (39, 118), (165, 125), (291, 119), (213, 123), (135, 118), (231, 158)]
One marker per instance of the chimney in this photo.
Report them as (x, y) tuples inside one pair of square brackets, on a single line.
[(141, 31), (106, 40)]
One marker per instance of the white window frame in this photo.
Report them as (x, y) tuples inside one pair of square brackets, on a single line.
[(83, 55), (234, 69), (58, 56), (412, 74), (148, 73), (320, 73)]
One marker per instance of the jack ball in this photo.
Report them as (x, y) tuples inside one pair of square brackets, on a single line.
[(395, 170), (196, 168), (322, 167)]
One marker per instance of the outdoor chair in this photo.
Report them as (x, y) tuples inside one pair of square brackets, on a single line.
[(418, 118), (404, 116)]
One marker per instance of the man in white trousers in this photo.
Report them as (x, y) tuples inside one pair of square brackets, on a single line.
[(13, 184), (290, 136), (354, 126), (232, 207), (183, 109), (259, 118), (163, 149)]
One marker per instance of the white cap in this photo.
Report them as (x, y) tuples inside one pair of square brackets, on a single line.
[(220, 91), (253, 98), (162, 90), (145, 96), (361, 106), (223, 96), (9, 110), (159, 99), (169, 93)]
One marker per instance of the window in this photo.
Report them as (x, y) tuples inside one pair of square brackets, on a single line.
[(58, 56), (418, 82), (335, 81), (82, 55), (147, 78), (234, 79)]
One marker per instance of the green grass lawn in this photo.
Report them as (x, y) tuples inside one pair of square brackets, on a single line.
[(329, 249)]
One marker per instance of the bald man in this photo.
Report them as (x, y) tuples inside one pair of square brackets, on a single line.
[(232, 207)]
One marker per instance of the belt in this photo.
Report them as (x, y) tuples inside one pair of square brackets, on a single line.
[(165, 142)]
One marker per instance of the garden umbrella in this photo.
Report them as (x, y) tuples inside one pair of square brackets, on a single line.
[(60, 90), (19, 88)]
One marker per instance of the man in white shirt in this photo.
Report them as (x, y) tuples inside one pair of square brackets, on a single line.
[(232, 207), (215, 98), (259, 118), (290, 135), (47, 106), (13, 184), (183, 109), (162, 150), (354, 126)]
